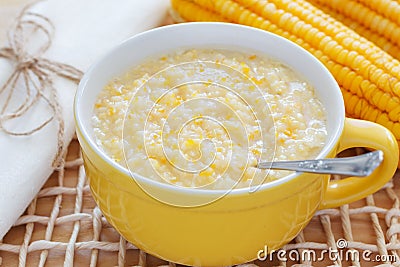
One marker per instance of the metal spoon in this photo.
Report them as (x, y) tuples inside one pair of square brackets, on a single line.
[(362, 165)]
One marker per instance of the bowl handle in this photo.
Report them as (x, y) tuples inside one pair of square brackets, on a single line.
[(360, 133)]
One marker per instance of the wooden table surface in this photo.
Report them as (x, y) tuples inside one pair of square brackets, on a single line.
[(362, 229)]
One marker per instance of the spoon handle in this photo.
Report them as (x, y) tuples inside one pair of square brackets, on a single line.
[(362, 165)]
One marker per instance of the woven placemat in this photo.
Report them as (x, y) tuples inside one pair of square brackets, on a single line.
[(64, 227)]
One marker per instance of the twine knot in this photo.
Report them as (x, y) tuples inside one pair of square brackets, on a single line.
[(32, 76), (26, 63)]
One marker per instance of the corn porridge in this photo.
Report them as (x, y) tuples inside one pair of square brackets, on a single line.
[(204, 118)]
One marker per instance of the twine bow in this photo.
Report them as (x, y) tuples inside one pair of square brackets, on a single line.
[(32, 76)]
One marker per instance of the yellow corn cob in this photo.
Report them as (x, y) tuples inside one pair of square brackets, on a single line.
[(367, 17), (200, 15), (384, 43), (327, 21), (368, 76), (388, 8), (322, 37)]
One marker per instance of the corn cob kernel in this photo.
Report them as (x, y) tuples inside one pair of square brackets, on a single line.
[(379, 40), (387, 8), (367, 17)]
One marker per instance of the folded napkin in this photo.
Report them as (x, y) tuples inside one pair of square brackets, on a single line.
[(80, 32)]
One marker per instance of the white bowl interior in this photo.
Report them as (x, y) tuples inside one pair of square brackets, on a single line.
[(210, 35)]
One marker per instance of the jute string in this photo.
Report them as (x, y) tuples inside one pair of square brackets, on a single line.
[(33, 76)]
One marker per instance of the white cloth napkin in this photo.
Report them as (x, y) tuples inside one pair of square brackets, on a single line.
[(84, 30)]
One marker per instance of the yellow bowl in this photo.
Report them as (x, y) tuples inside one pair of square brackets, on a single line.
[(239, 224)]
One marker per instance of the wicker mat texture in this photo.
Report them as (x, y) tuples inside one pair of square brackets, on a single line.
[(63, 227)]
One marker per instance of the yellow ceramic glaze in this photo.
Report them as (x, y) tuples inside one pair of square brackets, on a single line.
[(359, 133), (232, 229)]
